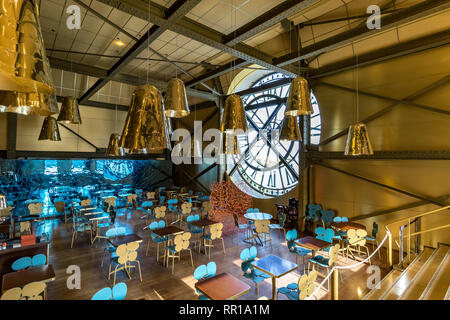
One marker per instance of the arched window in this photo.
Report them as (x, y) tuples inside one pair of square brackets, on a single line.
[(266, 170)]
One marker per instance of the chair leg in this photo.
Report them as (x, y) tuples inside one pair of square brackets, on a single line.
[(139, 266), (192, 261), (223, 244)]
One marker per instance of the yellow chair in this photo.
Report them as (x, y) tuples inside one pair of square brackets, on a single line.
[(180, 242), (215, 234), (125, 255), (151, 195), (262, 231), (36, 208), (80, 224), (131, 200), (31, 291), (327, 263), (356, 239), (206, 208), (85, 202), (60, 207)]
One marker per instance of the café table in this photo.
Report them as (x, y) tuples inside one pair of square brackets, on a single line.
[(312, 244), (345, 226), (256, 216), (15, 279), (275, 267), (223, 286)]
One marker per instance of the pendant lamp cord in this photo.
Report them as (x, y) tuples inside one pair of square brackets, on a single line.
[(357, 89)]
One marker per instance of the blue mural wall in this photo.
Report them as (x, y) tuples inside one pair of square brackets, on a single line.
[(23, 180)]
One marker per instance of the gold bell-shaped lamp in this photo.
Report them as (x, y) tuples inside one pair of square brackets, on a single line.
[(233, 119), (230, 144), (25, 79), (146, 126), (50, 130), (358, 142), (113, 146), (299, 99), (176, 103), (70, 112), (290, 130)]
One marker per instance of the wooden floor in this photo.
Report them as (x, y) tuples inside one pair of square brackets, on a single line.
[(158, 281)]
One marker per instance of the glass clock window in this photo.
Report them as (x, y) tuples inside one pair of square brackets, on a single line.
[(268, 170)]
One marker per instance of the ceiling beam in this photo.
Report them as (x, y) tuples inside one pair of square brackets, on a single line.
[(176, 11), (407, 15), (267, 20), (194, 30), (129, 79), (382, 155), (402, 49)]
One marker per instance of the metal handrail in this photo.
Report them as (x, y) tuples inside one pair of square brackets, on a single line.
[(410, 220)]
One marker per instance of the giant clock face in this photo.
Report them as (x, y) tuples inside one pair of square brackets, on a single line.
[(117, 169), (266, 167)]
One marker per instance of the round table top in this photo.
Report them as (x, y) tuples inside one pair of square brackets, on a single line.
[(258, 216)]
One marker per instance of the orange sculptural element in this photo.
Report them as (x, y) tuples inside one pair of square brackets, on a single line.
[(226, 199)]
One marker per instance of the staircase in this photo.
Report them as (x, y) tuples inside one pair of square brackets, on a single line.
[(426, 278)]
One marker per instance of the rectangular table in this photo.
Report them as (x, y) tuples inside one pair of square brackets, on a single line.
[(166, 231), (345, 226), (312, 244), (44, 273), (222, 287), (275, 267), (119, 240)]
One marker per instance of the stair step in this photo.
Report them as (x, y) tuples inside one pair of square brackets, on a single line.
[(385, 285), (420, 283), (407, 276), (438, 287)]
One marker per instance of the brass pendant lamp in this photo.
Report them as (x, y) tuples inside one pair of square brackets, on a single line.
[(358, 141), (70, 112), (176, 103), (233, 118), (50, 130), (25, 79), (146, 127), (299, 99), (290, 130), (113, 146)]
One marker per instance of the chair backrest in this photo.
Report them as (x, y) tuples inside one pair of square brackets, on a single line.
[(201, 272), (86, 202), (327, 217), (60, 206), (160, 212), (325, 234), (291, 235), (374, 229), (313, 211), (333, 254), (251, 210), (344, 219), (306, 285), (262, 226), (111, 201), (172, 201), (186, 208), (357, 237), (103, 294), (337, 219), (236, 220), (281, 219), (197, 217), (31, 291), (131, 198), (147, 204), (21, 263), (127, 252), (153, 225), (211, 269), (161, 224), (181, 241), (119, 291), (190, 219), (216, 231), (320, 232), (151, 195), (38, 260), (36, 207), (114, 232)]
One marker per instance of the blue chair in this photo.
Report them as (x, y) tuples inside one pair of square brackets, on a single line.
[(204, 272), (162, 199), (193, 229), (327, 217), (291, 236), (248, 256), (21, 263), (103, 294), (239, 226), (119, 291), (373, 238), (154, 237), (172, 205), (280, 224), (302, 289), (146, 213), (111, 233), (340, 219), (39, 260)]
